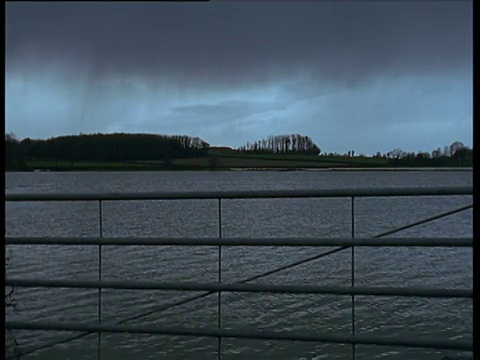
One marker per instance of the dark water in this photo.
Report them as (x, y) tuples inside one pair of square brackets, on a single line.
[(386, 316)]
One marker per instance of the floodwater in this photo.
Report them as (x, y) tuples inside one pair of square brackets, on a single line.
[(394, 317)]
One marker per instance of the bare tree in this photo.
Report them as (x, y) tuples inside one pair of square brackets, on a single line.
[(397, 153), (455, 146), (436, 153)]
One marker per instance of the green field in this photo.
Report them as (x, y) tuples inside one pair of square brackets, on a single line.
[(232, 160), (217, 161), (327, 160)]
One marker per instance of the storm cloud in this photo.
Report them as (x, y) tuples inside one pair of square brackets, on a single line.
[(352, 75)]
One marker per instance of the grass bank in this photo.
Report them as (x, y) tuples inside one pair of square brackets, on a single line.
[(229, 161)]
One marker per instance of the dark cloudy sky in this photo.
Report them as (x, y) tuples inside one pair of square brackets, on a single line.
[(357, 75)]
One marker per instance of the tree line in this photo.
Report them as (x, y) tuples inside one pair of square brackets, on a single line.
[(121, 147), (282, 144), (457, 154), (118, 147)]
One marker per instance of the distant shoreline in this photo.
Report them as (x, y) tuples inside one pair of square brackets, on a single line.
[(257, 169), (398, 169), (241, 162), (355, 169)]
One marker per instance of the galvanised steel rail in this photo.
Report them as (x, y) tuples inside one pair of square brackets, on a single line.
[(248, 334), (265, 194), (290, 242), (248, 288), (242, 287)]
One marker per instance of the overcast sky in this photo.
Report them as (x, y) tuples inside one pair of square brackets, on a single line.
[(357, 75)]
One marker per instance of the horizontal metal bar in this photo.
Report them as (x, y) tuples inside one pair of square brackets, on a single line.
[(247, 334), (374, 242), (236, 287), (360, 192)]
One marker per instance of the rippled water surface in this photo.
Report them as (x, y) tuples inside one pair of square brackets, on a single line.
[(386, 316)]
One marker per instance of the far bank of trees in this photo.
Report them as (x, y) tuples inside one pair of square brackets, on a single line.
[(121, 147), (282, 144), (457, 154), (118, 147), (13, 158)]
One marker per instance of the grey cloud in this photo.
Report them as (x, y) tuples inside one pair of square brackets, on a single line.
[(218, 43), (228, 109)]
